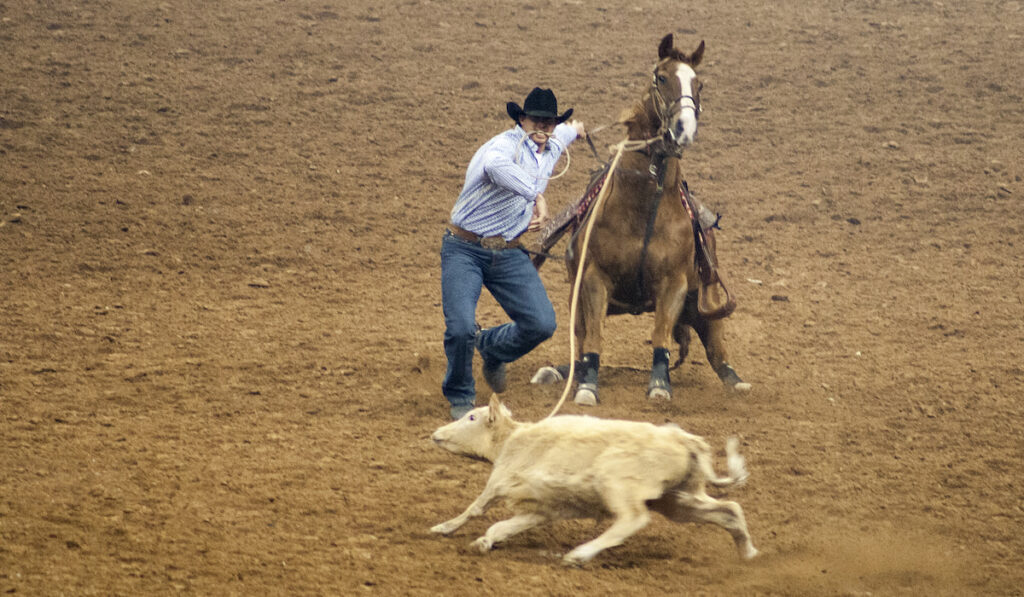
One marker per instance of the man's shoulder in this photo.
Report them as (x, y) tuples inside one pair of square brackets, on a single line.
[(511, 135), (565, 133), (504, 140)]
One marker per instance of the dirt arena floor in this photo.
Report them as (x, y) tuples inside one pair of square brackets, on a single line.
[(220, 350)]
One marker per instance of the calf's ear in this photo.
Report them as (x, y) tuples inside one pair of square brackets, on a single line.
[(494, 408)]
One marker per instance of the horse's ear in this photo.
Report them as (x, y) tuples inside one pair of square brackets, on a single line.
[(665, 48), (697, 54)]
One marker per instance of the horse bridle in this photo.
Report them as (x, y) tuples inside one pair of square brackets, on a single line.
[(664, 107)]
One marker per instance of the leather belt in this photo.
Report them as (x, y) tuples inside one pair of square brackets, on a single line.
[(493, 243)]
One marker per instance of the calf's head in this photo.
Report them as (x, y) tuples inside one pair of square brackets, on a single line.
[(479, 433)]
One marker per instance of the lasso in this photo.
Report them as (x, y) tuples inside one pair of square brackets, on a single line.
[(551, 138)]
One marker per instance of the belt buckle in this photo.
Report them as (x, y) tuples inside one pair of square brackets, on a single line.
[(493, 243)]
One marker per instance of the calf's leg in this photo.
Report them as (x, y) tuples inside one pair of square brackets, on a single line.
[(689, 507), (477, 508), (500, 531), (623, 500), (626, 524)]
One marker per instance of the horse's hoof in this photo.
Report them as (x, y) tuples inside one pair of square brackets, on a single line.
[(586, 395), (731, 380), (659, 394), (659, 389), (547, 375)]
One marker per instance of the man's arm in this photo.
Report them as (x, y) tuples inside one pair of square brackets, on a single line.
[(503, 171), (540, 214)]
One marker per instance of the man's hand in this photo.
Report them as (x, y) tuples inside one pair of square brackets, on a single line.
[(540, 214), (576, 124)]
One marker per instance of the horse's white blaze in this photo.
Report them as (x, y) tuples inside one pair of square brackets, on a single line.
[(686, 123)]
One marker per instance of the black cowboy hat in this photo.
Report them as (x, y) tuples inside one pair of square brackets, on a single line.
[(541, 103)]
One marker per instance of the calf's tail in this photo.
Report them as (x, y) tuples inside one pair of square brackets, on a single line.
[(736, 466)]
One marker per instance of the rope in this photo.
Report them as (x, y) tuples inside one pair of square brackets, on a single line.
[(579, 273), (565, 152)]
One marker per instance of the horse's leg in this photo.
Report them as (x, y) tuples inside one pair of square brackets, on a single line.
[(671, 298), (712, 336), (593, 303), (681, 334)]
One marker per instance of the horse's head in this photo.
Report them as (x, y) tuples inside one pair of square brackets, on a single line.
[(675, 92)]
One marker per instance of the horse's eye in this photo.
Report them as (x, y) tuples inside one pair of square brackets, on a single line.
[(662, 79)]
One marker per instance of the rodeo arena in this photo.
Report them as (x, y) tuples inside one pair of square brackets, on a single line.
[(561, 297)]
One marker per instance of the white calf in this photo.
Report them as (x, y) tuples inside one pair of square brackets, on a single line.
[(584, 467)]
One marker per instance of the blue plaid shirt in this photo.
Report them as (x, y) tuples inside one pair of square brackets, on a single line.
[(503, 181)]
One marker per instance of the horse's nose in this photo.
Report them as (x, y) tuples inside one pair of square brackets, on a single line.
[(684, 137), (685, 132)]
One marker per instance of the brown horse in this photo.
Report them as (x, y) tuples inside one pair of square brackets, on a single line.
[(641, 254)]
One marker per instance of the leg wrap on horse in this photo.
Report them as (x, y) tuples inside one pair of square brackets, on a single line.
[(586, 375), (588, 366), (659, 372)]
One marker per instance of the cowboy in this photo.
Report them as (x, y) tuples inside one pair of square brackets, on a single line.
[(501, 199)]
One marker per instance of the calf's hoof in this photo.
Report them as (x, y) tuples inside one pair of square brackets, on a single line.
[(482, 545), (571, 562), (586, 395), (445, 528), (547, 375), (749, 552), (577, 558)]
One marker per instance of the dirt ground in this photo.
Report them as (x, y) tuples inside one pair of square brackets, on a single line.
[(220, 350)]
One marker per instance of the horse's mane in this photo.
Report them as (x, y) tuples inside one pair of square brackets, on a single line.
[(639, 119)]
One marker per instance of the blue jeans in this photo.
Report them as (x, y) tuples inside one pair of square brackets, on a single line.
[(512, 280)]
